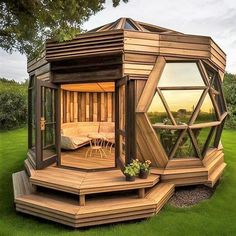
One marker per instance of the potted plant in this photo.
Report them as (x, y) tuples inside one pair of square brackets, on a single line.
[(144, 169), (130, 173), (136, 165)]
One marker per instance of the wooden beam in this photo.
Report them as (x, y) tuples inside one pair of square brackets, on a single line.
[(151, 85)]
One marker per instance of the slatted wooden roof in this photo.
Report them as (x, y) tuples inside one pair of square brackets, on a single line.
[(128, 44), (130, 24)]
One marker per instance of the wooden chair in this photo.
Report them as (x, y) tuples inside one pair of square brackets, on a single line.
[(96, 145)]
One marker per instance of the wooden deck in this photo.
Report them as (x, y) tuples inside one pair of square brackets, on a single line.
[(78, 159), (99, 209), (78, 198), (80, 182)]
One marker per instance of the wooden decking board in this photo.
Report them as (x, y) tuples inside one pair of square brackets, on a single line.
[(104, 209), (214, 177), (79, 182)]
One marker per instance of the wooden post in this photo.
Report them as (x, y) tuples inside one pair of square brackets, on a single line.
[(141, 193), (82, 200)]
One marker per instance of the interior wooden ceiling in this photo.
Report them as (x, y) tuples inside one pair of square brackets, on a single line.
[(90, 87)]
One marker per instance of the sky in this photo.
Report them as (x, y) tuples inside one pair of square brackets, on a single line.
[(215, 18)]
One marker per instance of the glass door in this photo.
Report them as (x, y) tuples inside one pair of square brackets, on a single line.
[(124, 121), (48, 132)]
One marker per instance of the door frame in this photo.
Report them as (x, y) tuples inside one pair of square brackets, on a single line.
[(40, 163), (130, 131)]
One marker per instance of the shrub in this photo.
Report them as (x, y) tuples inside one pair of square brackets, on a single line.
[(229, 88), (13, 100)]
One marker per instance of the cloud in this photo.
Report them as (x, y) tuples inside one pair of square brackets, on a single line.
[(13, 66), (215, 18)]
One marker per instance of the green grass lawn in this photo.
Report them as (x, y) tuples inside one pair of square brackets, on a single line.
[(216, 216)]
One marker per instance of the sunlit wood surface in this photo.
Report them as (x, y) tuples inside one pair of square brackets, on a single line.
[(78, 159)]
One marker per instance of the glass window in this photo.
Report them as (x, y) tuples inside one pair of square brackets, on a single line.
[(207, 112), (181, 87), (157, 112), (185, 148), (181, 74), (182, 103), (167, 138), (129, 26)]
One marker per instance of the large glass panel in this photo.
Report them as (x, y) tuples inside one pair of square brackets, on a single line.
[(167, 138), (182, 103), (129, 26), (206, 112), (185, 148), (201, 136), (181, 74), (48, 117), (157, 112)]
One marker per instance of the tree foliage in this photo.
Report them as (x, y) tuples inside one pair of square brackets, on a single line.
[(13, 100), (229, 87), (25, 24)]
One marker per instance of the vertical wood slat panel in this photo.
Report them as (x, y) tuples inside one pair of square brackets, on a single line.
[(113, 107), (71, 107), (109, 107), (95, 107), (87, 106), (67, 106), (83, 107), (102, 107), (75, 106), (62, 115)]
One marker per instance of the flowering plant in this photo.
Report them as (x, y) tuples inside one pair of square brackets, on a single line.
[(129, 170), (145, 166)]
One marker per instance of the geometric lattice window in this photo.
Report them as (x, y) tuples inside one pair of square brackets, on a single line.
[(186, 109)]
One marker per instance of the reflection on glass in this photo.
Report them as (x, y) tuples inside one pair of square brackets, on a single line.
[(129, 26), (185, 148), (48, 141), (201, 136), (219, 97), (207, 111), (167, 138), (157, 112), (181, 74), (49, 116), (182, 103)]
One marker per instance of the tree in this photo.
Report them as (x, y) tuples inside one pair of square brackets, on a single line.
[(26, 24), (229, 88)]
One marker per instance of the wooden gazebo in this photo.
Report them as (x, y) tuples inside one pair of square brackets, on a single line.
[(147, 92)]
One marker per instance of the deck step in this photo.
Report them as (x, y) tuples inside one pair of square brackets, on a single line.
[(214, 163), (215, 175), (100, 210), (82, 183), (184, 176)]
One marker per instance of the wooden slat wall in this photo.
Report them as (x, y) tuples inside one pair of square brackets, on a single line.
[(141, 50), (86, 44), (218, 57), (87, 106)]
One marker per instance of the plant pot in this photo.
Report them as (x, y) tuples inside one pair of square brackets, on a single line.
[(129, 178), (143, 174)]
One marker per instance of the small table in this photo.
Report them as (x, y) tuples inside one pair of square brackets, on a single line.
[(96, 144)]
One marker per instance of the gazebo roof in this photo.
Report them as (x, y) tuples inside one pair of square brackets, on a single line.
[(130, 24)]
